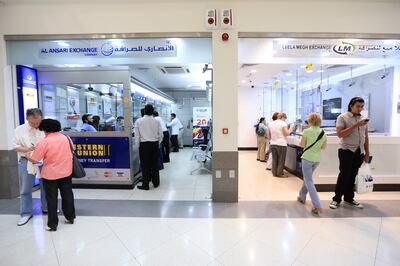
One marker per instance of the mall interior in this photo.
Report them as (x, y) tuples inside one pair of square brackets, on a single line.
[(219, 66)]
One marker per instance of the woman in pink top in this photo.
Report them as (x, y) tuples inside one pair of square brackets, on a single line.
[(56, 154)]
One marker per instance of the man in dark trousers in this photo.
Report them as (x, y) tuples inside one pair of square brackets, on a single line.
[(352, 129), (149, 135), (175, 125)]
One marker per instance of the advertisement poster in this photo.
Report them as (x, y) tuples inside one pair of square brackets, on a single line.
[(201, 116), (91, 103), (73, 102), (104, 158), (27, 90)]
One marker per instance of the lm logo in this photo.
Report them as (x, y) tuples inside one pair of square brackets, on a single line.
[(344, 48)]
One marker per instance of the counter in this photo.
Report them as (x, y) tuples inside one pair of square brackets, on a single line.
[(385, 164)]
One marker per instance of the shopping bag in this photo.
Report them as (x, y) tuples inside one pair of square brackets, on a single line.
[(364, 180)]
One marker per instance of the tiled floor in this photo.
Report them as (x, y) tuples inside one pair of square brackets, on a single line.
[(159, 241), (267, 227)]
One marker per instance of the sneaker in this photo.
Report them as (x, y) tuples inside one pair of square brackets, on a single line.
[(355, 204), (334, 205), (51, 229), (24, 220)]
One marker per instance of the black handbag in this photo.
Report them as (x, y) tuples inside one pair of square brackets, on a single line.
[(77, 169), (299, 154)]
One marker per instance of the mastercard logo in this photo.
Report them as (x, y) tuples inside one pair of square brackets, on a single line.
[(108, 174)]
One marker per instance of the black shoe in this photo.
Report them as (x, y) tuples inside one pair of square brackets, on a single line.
[(69, 221), (156, 185), (143, 187), (51, 229)]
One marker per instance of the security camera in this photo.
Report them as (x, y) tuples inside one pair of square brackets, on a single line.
[(352, 84), (384, 75), (90, 88)]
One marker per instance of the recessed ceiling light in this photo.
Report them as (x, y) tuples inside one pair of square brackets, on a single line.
[(243, 81), (253, 71)]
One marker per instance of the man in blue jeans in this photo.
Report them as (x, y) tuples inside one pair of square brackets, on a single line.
[(25, 138)]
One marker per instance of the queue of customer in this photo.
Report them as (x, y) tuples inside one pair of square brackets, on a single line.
[(351, 128)]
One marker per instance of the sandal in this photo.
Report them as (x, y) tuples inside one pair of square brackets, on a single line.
[(316, 211), (301, 200)]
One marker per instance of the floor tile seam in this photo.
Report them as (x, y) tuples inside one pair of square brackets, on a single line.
[(193, 244), (88, 243), (17, 242), (122, 243), (313, 235), (346, 247), (379, 241), (55, 249)]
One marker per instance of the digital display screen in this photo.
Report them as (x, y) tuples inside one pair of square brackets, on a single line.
[(332, 108)]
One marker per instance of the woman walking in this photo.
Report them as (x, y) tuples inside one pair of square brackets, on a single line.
[(313, 140)]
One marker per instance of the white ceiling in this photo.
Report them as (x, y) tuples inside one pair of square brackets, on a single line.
[(153, 76), (265, 74), (9, 2)]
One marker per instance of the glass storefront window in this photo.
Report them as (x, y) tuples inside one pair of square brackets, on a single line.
[(69, 103)]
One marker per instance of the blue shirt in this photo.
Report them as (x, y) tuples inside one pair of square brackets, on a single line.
[(88, 128)]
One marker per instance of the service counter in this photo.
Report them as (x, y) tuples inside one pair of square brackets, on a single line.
[(385, 164), (111, 160)]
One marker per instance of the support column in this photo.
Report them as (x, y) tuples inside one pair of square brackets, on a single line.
[(225, 116), (9, 187)]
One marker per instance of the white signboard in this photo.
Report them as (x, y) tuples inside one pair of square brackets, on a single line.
[(110, 48)]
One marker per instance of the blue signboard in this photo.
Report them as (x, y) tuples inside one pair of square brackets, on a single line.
[(104, 158), (27, 85)]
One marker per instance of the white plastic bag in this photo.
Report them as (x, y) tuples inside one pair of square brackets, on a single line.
[(364, 180)]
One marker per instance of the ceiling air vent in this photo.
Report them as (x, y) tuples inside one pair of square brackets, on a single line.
[(174, 70)]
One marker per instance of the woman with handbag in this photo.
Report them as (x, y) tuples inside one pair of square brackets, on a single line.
[(313, 140), (55, 151)]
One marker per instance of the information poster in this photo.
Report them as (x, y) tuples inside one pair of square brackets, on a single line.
[(91, 103), (104, 158), (49, 103), (201, 116), (107, 106)]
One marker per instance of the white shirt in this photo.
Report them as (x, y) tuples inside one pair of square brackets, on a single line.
[(26, 136), (277, 137), (163, 127), (148, 129), (175, 125)]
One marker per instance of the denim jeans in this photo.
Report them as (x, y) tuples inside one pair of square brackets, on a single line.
[(308, 183), (26, 183)]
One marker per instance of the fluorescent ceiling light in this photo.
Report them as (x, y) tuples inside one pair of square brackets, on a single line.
[(253, 71), (243, 81), (63, 44), (138, 89)]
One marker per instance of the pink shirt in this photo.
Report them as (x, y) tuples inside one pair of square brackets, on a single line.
[(56, 154)]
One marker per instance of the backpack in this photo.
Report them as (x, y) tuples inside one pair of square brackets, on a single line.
[(261, 131)]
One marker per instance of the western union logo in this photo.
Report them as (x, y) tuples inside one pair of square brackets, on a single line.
[(93, 150)]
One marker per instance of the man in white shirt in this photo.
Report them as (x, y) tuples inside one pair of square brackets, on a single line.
[(149, 135), (25, 138), (175, 126), (165, 142)]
